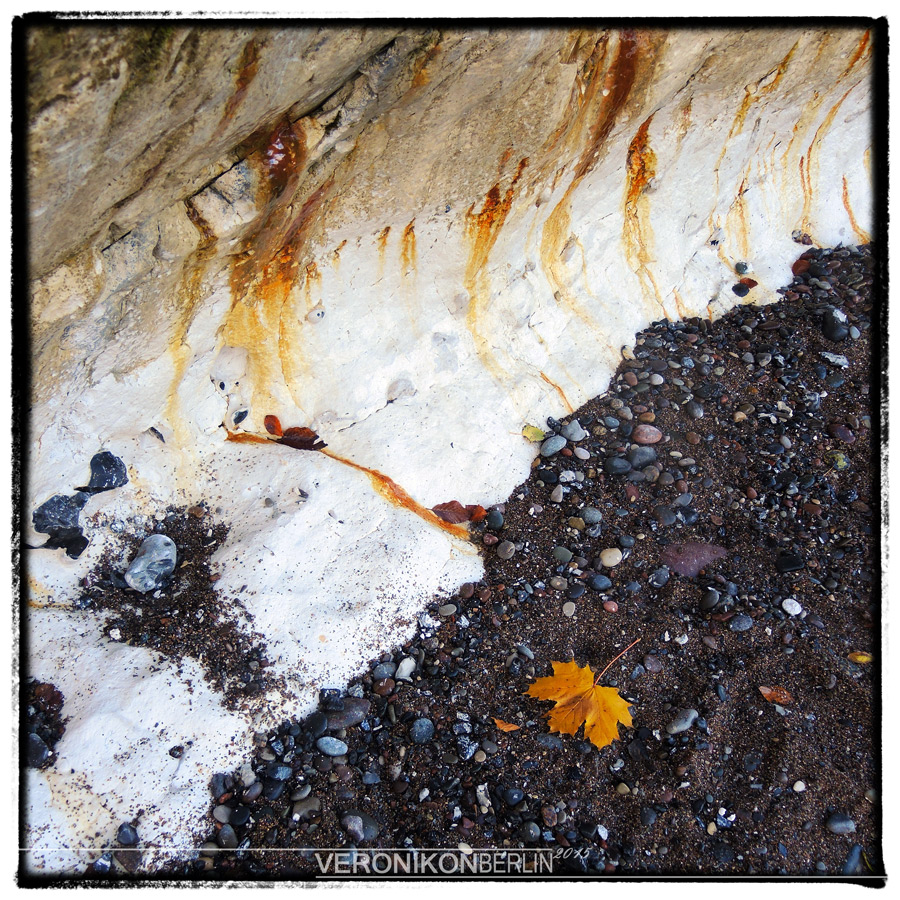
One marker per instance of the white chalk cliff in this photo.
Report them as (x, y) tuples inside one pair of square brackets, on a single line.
[(413, 242)]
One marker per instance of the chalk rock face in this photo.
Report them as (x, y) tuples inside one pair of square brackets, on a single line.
[(403, 243)]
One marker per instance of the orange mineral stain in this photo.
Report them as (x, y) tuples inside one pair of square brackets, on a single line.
[(408, 248), (385, 486), (482, 230), (637, 231), (559, 391), (600, 100), (862, 236), (394, 494), (247, 66)]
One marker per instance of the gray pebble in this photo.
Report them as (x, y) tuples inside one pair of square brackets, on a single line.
[(573, 431), (421, 731), (840, 823), (552, 445), (154, 561), (506, 549), (682, 721), (331, 746), (740, 623)]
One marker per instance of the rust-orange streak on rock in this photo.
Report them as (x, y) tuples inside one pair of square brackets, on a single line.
[(752, 96), (560, 391), (385, 486), (248, 63), (807, 194), (628, 61), (860, 49), (812, 159), (861, 235), (637, 234), (482, 230), (408, 248), (394, 494), (619, 81), (484, 227)]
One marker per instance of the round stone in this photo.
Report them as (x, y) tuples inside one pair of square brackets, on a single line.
[(840, 823), (646, 434), (568, 609), (506, 549), (331, 746), (791, 607), (552, 445), (494, 519), (740, 623), (421, 731), (562, 554), (599, 583), (799, 787), (610, 557), (591, 516)]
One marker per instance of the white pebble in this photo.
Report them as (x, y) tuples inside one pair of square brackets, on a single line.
[(610, 557), (568, 609), (405, 669), (799, 787), (791, 607)]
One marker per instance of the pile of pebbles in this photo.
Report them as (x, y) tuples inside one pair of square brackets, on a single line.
[(718, 504)]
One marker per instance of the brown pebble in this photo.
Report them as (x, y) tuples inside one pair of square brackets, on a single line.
[(667, 796), (630, 379), (841, 433), (743, 345), (692, 438), (814, 509), (489, 539), (751, 493), (565, 452), (646, 434), (467, 590), (652, 663), (681, 486), (632, 492), (710, 642), (611, 606), (647, 417), (716, 520), (383, 687)]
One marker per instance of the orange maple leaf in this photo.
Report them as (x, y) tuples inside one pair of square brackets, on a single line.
[(580, 701)]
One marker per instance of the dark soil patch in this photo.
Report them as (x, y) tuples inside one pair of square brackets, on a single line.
[(186, 617)]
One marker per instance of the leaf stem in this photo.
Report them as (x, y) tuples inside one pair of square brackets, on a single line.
[(597, 679)]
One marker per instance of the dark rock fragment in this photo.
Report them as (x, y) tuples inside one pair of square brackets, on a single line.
[(107, 472)]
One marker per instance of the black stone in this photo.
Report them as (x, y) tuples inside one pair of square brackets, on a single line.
[(513, 796), (599, 583), (107, 472), (740, 289), (833, 328), (316, 724), (789, 562), (127, 835), (38, 752), (616, 465), (59, 514)]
